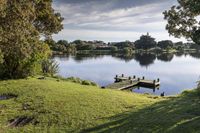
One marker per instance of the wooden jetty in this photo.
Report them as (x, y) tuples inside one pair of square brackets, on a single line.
[(122, 82)]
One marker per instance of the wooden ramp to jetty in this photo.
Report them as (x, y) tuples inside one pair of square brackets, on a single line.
[(122, 82)]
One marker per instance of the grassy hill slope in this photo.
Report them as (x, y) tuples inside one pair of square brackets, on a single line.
[(60, 106)]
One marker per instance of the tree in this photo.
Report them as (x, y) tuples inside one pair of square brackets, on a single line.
[(128, 50), (122, 45), (22, 23), (61, 45), (145, 42), (165, 44), (83, 45), (51, 43), (113, 49), (182, 20), (195, 46), (63, 42)]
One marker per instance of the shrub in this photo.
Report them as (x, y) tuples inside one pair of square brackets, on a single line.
[(50, 67), (85, 82), (78, 80), (93, 84)]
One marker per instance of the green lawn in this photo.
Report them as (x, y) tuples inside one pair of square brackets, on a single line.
[(63, 106)]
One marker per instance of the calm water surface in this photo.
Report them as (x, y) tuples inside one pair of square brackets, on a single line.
[(176, 72)]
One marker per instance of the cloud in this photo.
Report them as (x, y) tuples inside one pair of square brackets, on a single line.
[(111, 17), (108, 36)]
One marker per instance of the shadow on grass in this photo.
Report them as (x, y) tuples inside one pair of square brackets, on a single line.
[(180, 114)]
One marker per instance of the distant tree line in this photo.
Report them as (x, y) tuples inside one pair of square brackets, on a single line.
[(146, 42)]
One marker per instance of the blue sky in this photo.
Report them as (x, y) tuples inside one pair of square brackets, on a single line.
[(112, 20)]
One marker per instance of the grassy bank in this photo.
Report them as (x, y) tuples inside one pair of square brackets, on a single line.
[(63, 106)]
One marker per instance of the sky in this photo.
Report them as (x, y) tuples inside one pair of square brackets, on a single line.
[(113, 20)]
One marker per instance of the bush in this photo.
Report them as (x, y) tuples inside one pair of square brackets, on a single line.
[(50, 67), (93, 84), (75, 80), (85, 82)]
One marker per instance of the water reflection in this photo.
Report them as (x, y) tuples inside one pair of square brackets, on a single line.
[(166, 57), (177, 71), (145, 59), (195, 55), (142, 89)]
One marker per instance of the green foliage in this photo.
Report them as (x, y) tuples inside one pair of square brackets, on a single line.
[(122, 45), (50, 67), (50, 42), (195, 46), (85, 82), (83, 45), (22, 23), (165, 44), (63, 46), (145, 42), (79, 81), (127, 50), (46, 21), (182, 20), (114, 49)]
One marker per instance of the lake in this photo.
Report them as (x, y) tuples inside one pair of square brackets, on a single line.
[(177, 72)]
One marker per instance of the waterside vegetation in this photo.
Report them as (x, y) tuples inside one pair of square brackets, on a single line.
[(146, 43)]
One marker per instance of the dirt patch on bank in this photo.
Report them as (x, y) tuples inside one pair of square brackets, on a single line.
[(20, 121), (7, 96)]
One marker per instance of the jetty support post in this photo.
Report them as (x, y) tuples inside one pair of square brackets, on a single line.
[(154, 82), (134, 77), (122, 75), (143, 77)]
